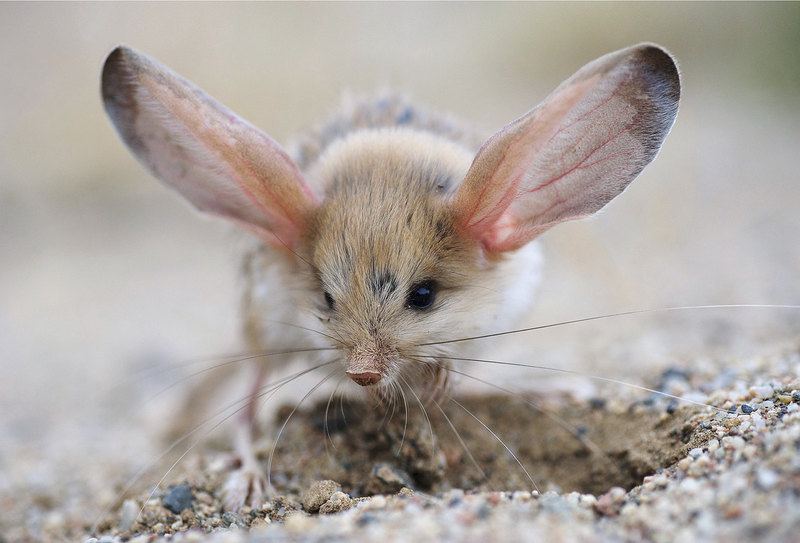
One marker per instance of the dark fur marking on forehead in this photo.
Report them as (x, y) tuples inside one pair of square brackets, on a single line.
[(383, 284)]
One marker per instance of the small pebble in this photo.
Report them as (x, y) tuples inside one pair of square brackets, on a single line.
[(588, 500), (386, 478), (495, 498), (672, 406), (179, 498), (731, 423), (260, 523), (746, 409), (318, 493), (573, 498), (376, 502), (629, 508), (762, 392), (230, 519), (611, 502), (599, 403), (735, 443), (297, 522), (552, 502), (339, 501), (766, 478), (128, 515), (690, 485), (521, 496)]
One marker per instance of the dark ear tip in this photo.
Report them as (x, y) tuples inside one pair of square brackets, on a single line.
[(118, 50), (123, 57), (109, 79), (116, 56), (663, 65), (119, 66), (658, 56), (116, 89)]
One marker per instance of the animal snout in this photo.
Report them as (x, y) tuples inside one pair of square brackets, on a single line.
[(365, 378), (368, 362)]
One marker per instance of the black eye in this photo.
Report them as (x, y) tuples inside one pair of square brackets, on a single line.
[(422, 295), (329, 299)]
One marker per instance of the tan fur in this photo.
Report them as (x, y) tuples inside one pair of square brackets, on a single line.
[(385, 202), (387, 215), (386, 110)]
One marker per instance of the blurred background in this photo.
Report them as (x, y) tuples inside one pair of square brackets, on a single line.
[(104, 272)]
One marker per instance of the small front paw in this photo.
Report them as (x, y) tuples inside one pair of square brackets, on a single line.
[(247, 485)]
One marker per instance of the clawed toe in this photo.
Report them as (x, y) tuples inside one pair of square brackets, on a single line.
[(245, 486)]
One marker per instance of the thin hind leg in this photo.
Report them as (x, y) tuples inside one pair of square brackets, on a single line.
[(248, 484), (193, 411)]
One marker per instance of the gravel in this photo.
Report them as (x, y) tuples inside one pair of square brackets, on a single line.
[(318, 494), (728, 476), (179, 498)]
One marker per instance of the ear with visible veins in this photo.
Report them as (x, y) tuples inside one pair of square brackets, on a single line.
[(572, 154), (219, 162)]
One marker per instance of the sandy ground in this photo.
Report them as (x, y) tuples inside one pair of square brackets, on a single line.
[(111, 290), (616, 468)]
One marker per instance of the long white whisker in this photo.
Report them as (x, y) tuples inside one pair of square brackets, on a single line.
[(300, 327), (327, 408), (588, 376), (427, 418), (405, 420), (559, 420), (463, 444), (385, 411), (243, 403), (286, 421), (254, 356), (160, 369), (393, 399), (341, 410), (506, 447), (612, 315)]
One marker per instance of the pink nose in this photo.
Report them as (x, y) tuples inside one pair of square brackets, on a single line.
[(365, 378)]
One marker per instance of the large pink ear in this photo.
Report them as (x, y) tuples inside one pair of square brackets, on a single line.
[(222, 164), (572, 154)]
